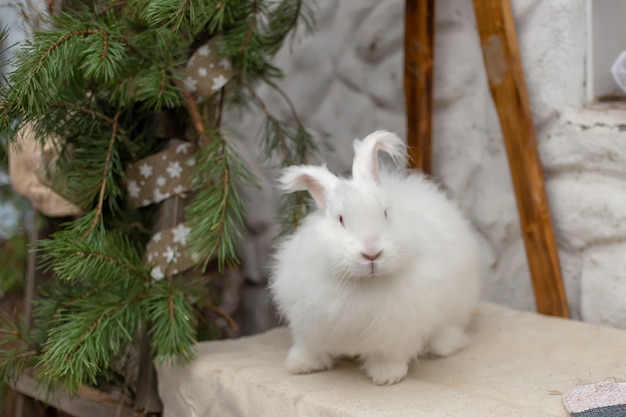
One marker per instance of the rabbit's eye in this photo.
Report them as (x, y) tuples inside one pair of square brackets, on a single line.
[(341, 219), (385, 214)]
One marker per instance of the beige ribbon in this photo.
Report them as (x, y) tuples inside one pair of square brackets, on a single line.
[(168, 254), (207, 71), (160, 176), (168, 173)]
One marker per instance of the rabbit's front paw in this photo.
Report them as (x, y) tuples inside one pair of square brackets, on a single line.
[(303, 361), (448, 341), (385, 372)]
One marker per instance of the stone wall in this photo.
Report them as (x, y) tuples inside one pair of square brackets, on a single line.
[(346, 81)]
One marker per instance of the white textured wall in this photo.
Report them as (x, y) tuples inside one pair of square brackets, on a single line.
[(346, 81)]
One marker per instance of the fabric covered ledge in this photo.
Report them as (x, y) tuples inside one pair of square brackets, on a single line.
[(519, 364)]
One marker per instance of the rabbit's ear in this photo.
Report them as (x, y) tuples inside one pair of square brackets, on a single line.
[(365, 165), (317, 180)]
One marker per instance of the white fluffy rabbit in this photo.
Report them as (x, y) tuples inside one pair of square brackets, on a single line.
[(385, 269)]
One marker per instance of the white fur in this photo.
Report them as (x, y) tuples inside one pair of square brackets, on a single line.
[(365, 165), (416, 296)]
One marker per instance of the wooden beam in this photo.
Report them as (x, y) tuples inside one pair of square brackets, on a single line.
[(419, 31), (35, 275), (508, 89), (147, 390), (87, 402)]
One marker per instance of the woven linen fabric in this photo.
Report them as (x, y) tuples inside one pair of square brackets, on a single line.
[(603, 399)]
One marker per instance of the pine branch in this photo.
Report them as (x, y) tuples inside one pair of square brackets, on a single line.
[(272, 120), (105, 175), (67, 304), (220, 110), (86, 110), (194, 113), (216, 214), (285, 97), (16, 350), (64, 39), (219, 226), (229, 319), (110, 259), (252, 21), (112, 121), (113, 5), (103, 256), (294, 146), (172, 328), (85, 338)]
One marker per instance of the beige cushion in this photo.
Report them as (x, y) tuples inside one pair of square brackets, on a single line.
[(519, 364)]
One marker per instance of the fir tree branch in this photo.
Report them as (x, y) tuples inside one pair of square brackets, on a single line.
[(68, 303), (107, 167), (292, 108), (50, 5), (251, 27), (300, 140), (16, 350), (105, 118), (74, 352), (64, 39), (106, 314), (194, 113), (86, 110), (223, 204), (113, 5), (134, 270), (103, 257), (180, 12), (279, 134), (23, 355), (229, 319), (220, 109), (72, 306), (163, 81), (216, 214), (172, 324), (296, 15)]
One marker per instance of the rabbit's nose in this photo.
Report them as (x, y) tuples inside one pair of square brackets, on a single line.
[(371, 257)]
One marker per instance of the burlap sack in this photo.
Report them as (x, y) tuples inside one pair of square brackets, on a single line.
[(26, 169)]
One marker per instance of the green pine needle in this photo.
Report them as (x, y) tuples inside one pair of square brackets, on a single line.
[(101, 256), (85, 337), (17, 353), (217, 212), (173, 325)]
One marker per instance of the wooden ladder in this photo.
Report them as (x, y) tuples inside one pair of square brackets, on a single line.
[(501, 57)]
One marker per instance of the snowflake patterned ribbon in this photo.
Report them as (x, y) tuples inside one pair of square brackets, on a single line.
[(160, 176), (168, 254), (207, 71), (152, 180)]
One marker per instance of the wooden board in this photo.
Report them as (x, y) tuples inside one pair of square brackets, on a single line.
[(87, 402), (419, 25), (508, 89)]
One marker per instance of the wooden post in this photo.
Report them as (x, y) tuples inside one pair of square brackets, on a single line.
[(419, 27), (147, 390), (25, 405), (506, 82)]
